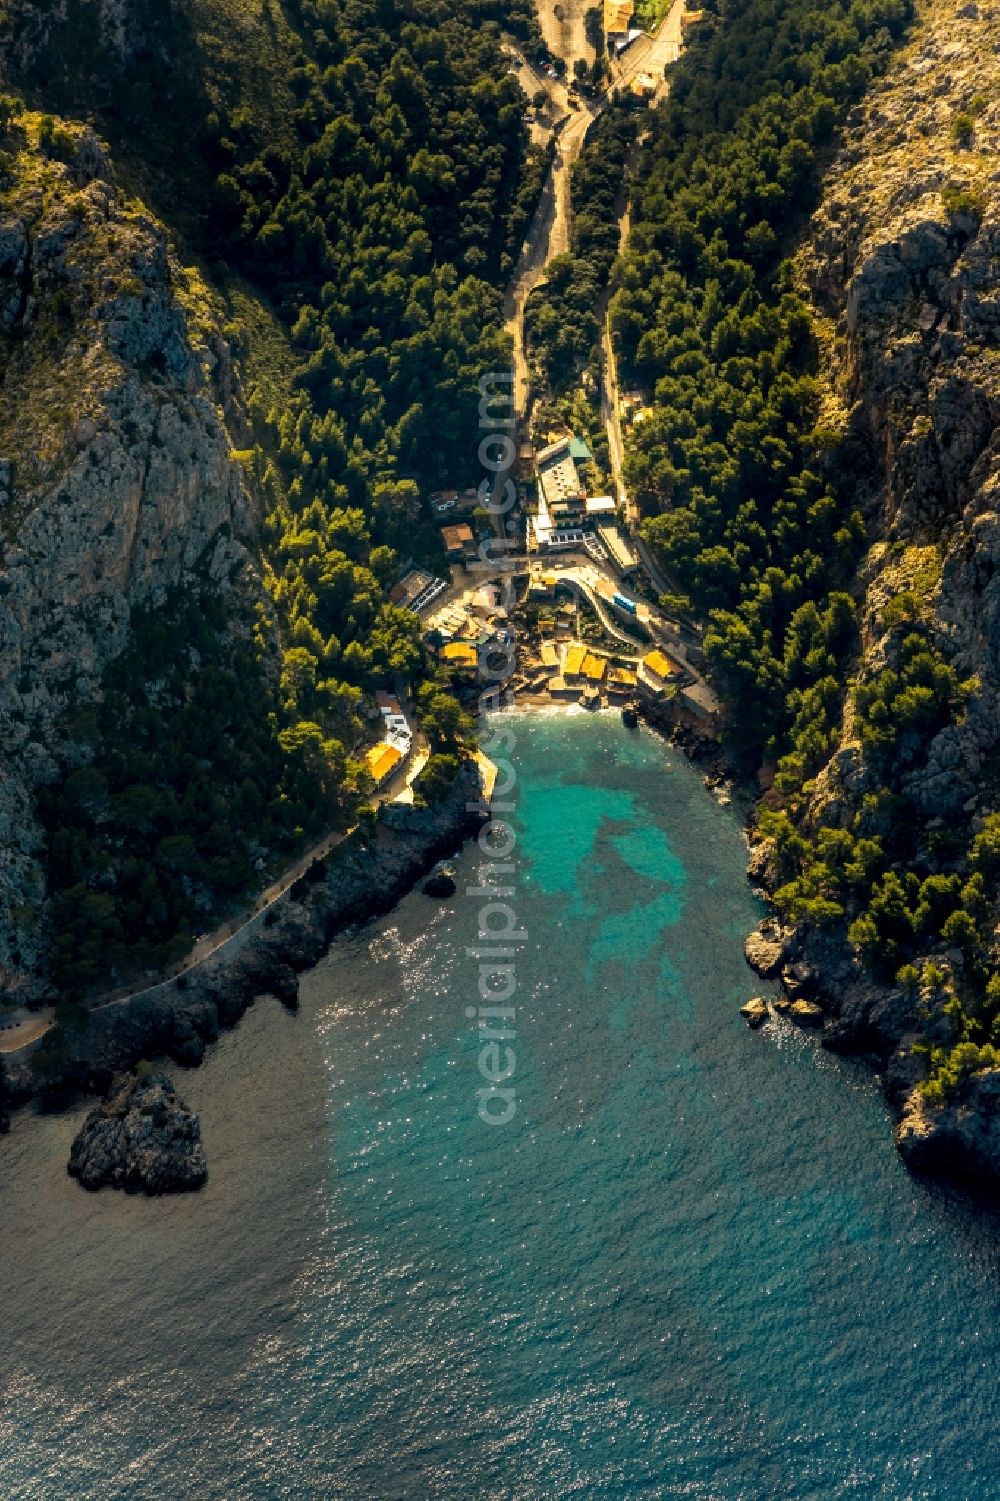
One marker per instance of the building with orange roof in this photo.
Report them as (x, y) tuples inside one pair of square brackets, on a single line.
[(460, 656), (576, 655), (661, 667), (618, 16), (382, 760), (621, 682)]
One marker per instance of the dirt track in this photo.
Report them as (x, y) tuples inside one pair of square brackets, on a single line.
[(562, 26), (548, 237)]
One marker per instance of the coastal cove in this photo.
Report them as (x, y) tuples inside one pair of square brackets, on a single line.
[(693, 1265)]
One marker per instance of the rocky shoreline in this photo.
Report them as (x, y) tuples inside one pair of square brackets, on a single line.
[(362, 878), (824, 986), (822, 983)]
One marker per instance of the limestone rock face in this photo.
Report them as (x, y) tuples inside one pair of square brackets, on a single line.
[(118, 421), (765, 949), (962, 1136), (902, 266), (180, 1018), (755, 1012), (142, 1139)]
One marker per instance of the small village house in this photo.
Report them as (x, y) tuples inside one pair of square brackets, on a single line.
[(381, 761), (660, 668), (459, 543)]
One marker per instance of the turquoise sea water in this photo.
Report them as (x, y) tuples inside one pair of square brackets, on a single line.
[(691, 1266)]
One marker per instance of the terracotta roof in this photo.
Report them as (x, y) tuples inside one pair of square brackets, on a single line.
[(456, 536)]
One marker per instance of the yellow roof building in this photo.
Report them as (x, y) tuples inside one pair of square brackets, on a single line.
[(660, 665), (618, 14), (460, 654), (594, 668), (381, 760), (620, 677), (573, 665)]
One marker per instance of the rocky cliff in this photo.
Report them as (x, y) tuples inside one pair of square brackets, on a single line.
[(118, 483), (903, 264), (903, 267), (363, 877)]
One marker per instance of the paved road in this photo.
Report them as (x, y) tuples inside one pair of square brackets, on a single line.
[(611, 412), (585, 580), (598, 585), (34, 1025), (562, 24)]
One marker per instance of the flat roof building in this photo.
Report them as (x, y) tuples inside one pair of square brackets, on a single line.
[(699, 700), (554, 537), (460, 656), (557, 475), (618, 548), (417, 590), (573, 664)]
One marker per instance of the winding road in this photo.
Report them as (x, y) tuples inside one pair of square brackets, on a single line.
[(24, 1034), (562, 26), (563, 29)]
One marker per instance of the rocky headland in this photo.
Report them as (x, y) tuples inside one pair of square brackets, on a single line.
[(141, 1138), (901, 266), (362, 878)]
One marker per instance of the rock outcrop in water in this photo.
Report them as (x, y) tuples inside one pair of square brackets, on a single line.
[(964, 1133), (142, 1139), (440, 883), (755, 1012), (765, 948)]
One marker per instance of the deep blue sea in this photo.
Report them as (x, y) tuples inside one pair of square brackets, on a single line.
[(692, 1265)]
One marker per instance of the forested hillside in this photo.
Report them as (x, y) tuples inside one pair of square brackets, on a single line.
[(759, 522), (820, 417), (347, 179)]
